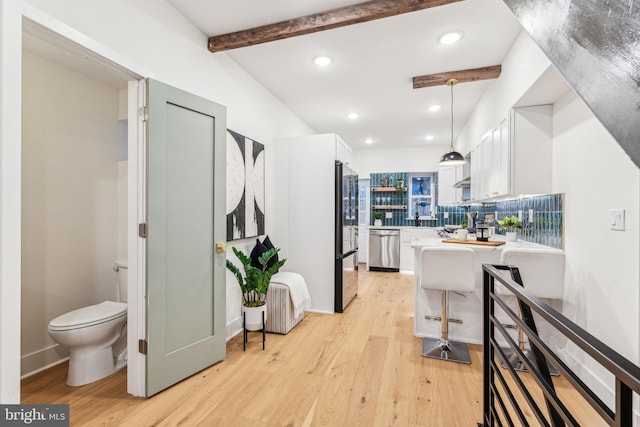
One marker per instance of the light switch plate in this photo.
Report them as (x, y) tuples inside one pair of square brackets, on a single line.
[(530, 215), (446, 215), (388, 215), (616, 221)]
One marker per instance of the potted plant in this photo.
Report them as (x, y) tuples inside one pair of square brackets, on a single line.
[(511, 224), (254, 285), (378, 218)]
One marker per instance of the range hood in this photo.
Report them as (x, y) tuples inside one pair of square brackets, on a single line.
[(463, 183)]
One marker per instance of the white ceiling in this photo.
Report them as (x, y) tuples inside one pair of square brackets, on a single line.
[(374, 63)]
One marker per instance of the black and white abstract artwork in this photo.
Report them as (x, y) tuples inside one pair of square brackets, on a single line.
[(245, 187)]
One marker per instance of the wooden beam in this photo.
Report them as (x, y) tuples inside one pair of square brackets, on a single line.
[(463, 76), (335, 18)]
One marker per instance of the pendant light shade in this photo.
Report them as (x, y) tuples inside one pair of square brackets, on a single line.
[(452, 157)]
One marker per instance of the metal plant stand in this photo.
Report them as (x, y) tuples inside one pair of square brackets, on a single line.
[(246, 332)]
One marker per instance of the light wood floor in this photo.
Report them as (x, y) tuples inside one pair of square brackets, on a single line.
[(362, 367)]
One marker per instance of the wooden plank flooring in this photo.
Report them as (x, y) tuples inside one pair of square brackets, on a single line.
[(362, 367)]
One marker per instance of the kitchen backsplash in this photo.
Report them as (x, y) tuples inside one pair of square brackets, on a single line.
[(545, 227), (389, 198)]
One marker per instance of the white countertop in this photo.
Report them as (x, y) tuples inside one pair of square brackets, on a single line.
[(432, 242), (397, 227)]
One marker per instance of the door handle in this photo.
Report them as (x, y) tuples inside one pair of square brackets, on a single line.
[(221, 247)]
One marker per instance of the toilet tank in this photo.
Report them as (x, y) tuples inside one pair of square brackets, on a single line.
[(121, 269)]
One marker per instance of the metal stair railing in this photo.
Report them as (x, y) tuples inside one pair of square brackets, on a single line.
[(500, 402)]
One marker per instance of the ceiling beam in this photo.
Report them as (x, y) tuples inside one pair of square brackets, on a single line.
[(463, 76), (348, 15)]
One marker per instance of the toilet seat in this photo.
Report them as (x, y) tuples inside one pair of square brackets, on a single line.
[(89, 316)]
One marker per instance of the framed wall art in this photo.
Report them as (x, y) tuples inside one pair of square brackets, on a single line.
[(245, 187)]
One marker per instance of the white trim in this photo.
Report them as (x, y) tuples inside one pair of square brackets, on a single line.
[(10, 199), (136, 329), (43, 359)]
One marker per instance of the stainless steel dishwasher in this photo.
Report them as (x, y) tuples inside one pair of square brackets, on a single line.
[(384, 250)]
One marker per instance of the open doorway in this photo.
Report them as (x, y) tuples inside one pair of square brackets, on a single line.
[(76, 209)]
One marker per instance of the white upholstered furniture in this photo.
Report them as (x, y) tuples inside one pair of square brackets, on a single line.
[(542, 273), (446, 269), (287, 299)]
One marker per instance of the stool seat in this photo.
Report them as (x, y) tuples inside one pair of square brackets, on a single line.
[(446, 269), (542, 270), (542, 273)]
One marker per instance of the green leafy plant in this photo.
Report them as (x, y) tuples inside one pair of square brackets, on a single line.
[(255, 284), (399, 185), (464, 223), (378, 215), (510, 223)]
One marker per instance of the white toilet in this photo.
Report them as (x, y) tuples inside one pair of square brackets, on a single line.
[(95, 335)]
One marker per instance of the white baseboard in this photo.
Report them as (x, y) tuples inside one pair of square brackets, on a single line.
[(234, 328), (319, 311), (40, 360)]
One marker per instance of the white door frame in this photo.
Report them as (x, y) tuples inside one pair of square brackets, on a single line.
[(16, 16)]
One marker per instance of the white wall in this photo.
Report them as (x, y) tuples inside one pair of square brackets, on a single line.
[(71, 142), (521, 67), (144, 35), (603, 270), (406, 159)]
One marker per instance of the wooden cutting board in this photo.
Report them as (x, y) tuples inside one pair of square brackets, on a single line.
[(475, 242)]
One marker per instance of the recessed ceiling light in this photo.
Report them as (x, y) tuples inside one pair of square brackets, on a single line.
[(368, 141), (353, 116), (429, 137), (434, 108), (322, 61), (451, 37)]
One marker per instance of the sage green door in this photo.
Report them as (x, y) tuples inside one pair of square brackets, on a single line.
[(185, 276)]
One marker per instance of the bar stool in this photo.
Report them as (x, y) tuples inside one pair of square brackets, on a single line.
[(446, 269), (542, 273)]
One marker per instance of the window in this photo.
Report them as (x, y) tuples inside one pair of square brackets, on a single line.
[(363, 202), (421, 195)]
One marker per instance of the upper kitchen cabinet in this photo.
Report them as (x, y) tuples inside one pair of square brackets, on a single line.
[(514, 158), (448, 176), (344, 153)]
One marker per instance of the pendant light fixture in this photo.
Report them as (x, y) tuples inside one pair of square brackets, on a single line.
[(452, 157)]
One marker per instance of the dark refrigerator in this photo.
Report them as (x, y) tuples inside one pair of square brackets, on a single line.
[(346, 236)]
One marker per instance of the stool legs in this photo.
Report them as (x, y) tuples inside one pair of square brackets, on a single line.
[(514, 361), (442, 348)]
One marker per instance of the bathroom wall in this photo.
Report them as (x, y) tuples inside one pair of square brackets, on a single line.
[(71, 145)]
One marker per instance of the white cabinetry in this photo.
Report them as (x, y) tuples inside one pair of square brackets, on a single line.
[(344, 153), (407, 236), (448, 195), (476, 172), (514, 158)]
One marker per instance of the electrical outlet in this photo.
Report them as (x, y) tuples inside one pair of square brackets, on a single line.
[(530, 215), (388, 215), (616, 219), (446, 215), (520, 215)]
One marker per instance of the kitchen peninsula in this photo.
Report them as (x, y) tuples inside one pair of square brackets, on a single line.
[(466, 307)]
